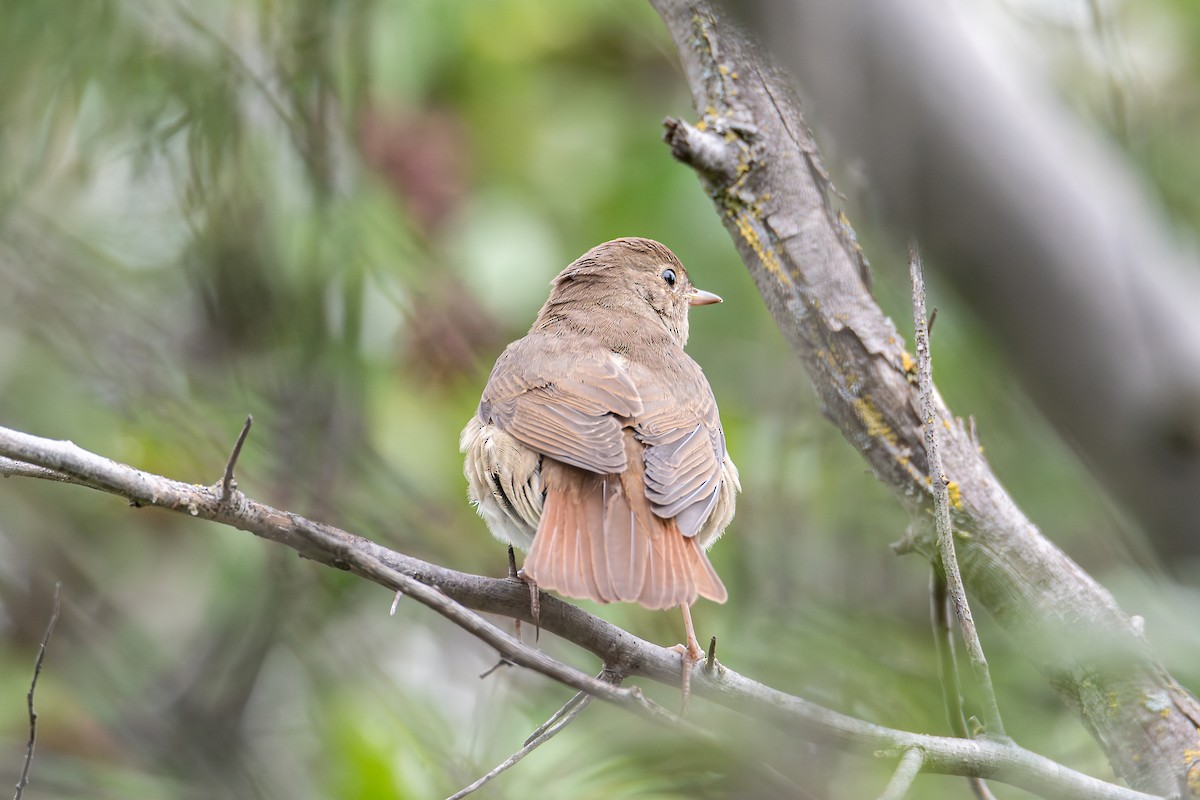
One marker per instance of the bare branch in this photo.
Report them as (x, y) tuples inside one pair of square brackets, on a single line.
[(1038, 221), (931, 421), (939, 613), (779, 211), (457, 596), (558, 722), (23, 781), (11, 468), (906, 772)]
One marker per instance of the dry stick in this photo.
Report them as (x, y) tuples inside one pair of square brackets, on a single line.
[(227, 483), (17, 469), (906, 772), (941, 505), (451, 593), (23, 781), (943, 643), (548, 730)]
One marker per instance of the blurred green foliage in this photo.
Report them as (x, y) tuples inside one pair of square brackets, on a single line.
[(333, 214)]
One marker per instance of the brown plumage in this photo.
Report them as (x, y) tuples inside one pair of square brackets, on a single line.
[(597, 446)]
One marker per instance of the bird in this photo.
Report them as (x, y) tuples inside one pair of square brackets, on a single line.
[(597, 446)]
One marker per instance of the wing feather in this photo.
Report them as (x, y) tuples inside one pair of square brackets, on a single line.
[(569, 403)]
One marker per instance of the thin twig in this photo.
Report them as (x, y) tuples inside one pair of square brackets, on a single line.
[(458, 592), (509, 647), (580, 697), (227, 482), (12, 468), (930, 420), (23, 781), (502, 662), (943, 645), (558, 721), (906, 772), (943, 642)]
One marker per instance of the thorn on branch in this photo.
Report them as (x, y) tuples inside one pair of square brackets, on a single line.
[(227, 483), (503, 662)]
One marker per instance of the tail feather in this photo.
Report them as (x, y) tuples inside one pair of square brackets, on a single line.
[(599, 538)]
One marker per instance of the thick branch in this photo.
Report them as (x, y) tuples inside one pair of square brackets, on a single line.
[(454, 595), (810, 272), (1038, 222)]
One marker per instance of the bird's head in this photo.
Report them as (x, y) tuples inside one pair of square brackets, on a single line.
[(633, 275)]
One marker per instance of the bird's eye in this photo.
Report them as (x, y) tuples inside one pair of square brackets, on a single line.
[(668, 275)]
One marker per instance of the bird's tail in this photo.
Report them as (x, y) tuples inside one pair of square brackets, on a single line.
[(598, 538)]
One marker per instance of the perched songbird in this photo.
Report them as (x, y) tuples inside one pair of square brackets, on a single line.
[(597, 447)]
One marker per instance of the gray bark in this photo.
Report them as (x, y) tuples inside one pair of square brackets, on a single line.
[(758, 162), (1038, 223)]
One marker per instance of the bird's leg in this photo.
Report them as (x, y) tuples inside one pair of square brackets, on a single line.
[(690, 654), (535, 603)]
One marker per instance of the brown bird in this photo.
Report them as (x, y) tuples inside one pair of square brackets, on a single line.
[(597, 446)]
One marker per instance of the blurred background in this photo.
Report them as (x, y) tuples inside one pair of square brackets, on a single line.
[(333, 215)]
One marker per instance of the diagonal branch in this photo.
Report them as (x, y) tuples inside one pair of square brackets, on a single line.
[(557, 723), (457, 596), (775, 199)]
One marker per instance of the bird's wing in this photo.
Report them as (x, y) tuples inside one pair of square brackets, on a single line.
[(685, 446), (567, 402)]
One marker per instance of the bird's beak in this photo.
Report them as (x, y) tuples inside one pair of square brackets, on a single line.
[(699, 297)]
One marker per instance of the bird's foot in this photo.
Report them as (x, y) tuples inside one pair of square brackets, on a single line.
[(535, 604), (690, 655)]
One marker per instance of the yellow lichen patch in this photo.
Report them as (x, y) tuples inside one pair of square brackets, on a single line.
[(723, 69), (766, 254), (873, 421), (954, 492), (907, 363), (1191, 757)]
